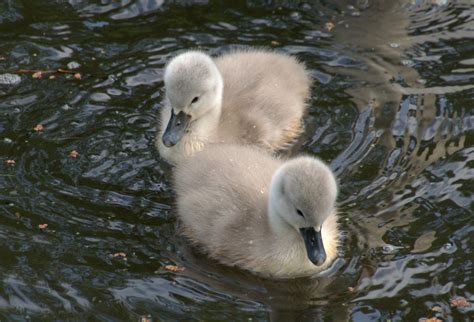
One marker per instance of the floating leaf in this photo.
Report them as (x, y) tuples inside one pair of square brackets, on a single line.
[(145, 319), (37, 75), (437, 308), (460, 302), (39, 127), (173, 268), (329, 26)]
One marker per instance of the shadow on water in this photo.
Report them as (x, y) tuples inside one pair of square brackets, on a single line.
[(391, 111)]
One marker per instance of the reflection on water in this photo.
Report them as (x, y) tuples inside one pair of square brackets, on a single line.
[(391, 111)]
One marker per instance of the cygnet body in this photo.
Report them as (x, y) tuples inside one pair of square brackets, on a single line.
[(252, 97), (246, 208)]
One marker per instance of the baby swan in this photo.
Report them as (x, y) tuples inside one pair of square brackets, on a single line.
[(246, 208), (247, 96)]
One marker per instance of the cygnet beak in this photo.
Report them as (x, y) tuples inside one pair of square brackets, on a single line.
[(175, 129), (314, 245)]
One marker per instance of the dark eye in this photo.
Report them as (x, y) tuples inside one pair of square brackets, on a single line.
[(195, 100), (299, 212)]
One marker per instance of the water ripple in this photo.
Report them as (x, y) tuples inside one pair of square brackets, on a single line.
[(391, 111)]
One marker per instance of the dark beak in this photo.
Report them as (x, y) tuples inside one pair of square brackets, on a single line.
[(175, 128), (314, 245)]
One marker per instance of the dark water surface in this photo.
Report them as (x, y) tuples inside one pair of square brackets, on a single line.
[(392, 111)]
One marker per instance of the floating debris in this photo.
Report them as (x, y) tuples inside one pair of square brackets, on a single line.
[(173, 268), (437, 308), (10, 162), (120, 254), (275, 43), (37, 75), (39, 127), (73, 154), (42, 226), (146, 318), (329, 26), (460, 302)]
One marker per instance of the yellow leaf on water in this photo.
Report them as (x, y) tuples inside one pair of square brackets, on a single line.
[(173, 268), (329, 26), (460, 302), (145, 319), (39, 127), (429, 320), (437, 308)]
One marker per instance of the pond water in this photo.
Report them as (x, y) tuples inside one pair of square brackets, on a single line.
[(391, 111)]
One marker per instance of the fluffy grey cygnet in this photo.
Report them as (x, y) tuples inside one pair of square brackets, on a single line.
[(254, 97), (246, 208)]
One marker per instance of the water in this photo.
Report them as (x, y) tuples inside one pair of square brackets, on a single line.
[(391, 110)]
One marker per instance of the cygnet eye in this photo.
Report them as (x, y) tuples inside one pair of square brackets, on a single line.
[(195, 100), (299, 212)]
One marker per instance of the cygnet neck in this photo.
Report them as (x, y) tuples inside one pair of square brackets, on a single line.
[(207, 125), (277, 223)]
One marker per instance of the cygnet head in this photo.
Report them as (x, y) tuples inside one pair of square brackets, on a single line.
[(193, 87), (302, 196)]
